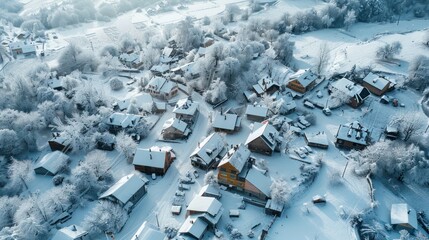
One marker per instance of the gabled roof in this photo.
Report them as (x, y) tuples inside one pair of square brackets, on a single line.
[(319, 138), (160, 68), (143, 100), (193, 226), (348, 87), (160, 84), (304, 76), (209, 189), (257, 110), (185, 106), (152, 157), (176, 124), (202, 204), (376, 81), (125, 188), (52, 161), (130, 57), (260, 181), (354, 132), (209, 148), (237, 157), (227, 121), (264, 130), (148, 231), (123, 120), (264, 84), (71, 232), (401, 213)]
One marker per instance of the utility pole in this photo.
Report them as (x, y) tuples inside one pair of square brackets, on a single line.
[(345, 167)]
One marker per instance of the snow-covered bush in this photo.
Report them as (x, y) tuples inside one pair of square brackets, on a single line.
[(10, 144), (105, 217), (211, 179), (280, 191), (75, 58), (418, 73), (109, 50), (335, 178), (187, 35), (388, 51), (116, 84)]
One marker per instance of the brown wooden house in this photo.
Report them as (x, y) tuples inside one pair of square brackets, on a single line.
[(303, 81), (232, 168), (263, 138), (153, 160), (376, 84), (59, 142), (353, 136), (356, 93)]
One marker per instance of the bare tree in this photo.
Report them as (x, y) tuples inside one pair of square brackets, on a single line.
[(126, 145), (271, 35), (388, 51), (409, 124), (323, 58), (349, 19)]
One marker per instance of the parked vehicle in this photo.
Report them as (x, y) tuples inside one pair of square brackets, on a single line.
[(300, 153), (327, 111)]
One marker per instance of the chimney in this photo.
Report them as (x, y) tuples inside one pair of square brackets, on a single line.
[(150, 156), (111, 120), (225, 117), (73, 228)]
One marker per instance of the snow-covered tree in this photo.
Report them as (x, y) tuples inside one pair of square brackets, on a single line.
[(216, 92), (20, 173), (349, 19), (105, 217), (75, 58), (127, 43), (229, 71), (388, 51), (10, 144), (337, 99), (89, 98), (133, 108), (187, 35), (116, 84), (271, 35), (8, 207), (418, 72), (109, 50), (322, 58), (31, 228), (231, 10), (211, 179), (57, 199), (126, 145), (279, 191), (150, 57), (284, 49)]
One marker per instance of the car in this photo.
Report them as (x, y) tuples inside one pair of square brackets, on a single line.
[(183, 187), (187, 180), (196, 175), (300, 153), (304, 150), (327, 111), (301, 119), (153, 176), (179, 193), (309, 149), (308, 104)]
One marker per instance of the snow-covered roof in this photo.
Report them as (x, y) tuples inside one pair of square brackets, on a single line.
[(123, 120), (353, 132), (257, 110), (185, 106), (175, 123), (227, 121), (401, 213), (209, 148), (264, 130), (125, 188), (55, 83), (304, 76), (130, 57), (160, 68), (260, 181), (143, 100), (202, 204), (264, 84), (167, 51), (187, 68), (319, 138), (193, 226), (52, 161), (347, 87), (71, 232), (152, 157), (161, 85), (209, 189), (148, 231), (376, 81), (237, 157)]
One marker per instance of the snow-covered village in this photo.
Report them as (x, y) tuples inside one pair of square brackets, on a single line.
[(214, 119)]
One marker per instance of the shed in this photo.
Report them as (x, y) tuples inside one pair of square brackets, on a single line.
[(148, 231), (59, 142), (234, 213), (256, 113), (319, 140), (72, 232), (274, 208), (51, 163), (403, 217)]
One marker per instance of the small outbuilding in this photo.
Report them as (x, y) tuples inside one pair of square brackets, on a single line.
[(274, 208), (402, 216), (148, 231), (51, 163), (153, 160), (72, 232), (319, 140), (256, 113), (59, 142)]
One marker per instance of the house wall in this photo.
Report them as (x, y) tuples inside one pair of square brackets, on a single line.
[(349, 145), (374, 90), (258, 145), (255, 118), (253, 191), (172, 133), (138, 195), (228, 175), (198, 162), (43, 171), (354, 103), (55, 146)]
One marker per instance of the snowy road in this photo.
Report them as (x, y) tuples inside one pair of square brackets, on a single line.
[(161, 191)]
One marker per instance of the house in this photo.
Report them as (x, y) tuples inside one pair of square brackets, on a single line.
[(356, 93), (303, 81), (188, 69), (59, 142), (319, 140), (207, 208), (127, 191), (204, 156), (274, 208), (153, 160), (120, 121), (392, 132), (22, 48), (226, 122), (169, 55), (232, 168), (266, 86), (160, 70), (148, 231), (72, 232), (186, 110), (131, 60), (210, 191), (192, 228), (51, 163), (174, 128), (56, 83), (143, 101), (403, 217), (257, 184), (256, 113), (353, 136), (376, 84), (162, 88), (263, 138)]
